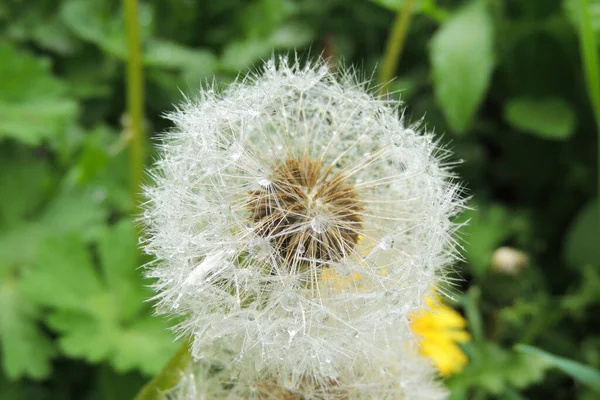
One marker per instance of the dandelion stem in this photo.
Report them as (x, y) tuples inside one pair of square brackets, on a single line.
[(135, 98), (169, 376), (591, 68), (395, 45)]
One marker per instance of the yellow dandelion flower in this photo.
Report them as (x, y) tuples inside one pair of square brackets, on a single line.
[(440, 329)]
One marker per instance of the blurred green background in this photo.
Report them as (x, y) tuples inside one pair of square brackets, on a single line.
[(508, 85)]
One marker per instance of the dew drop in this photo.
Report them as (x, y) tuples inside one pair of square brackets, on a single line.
[(211, 170), (393, 295), (432, 170), (289, 383), (236, 153), (264, 182), (175, 305), (318, 224), (235, 373), (359, 303), (386, 243), (398, 141), (322, 316), (263, 179), (261, 248), (289, 301)]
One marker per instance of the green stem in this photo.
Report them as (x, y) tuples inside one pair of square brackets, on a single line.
[(395, 45), (172, 372), (430, 9), (589, 53), (471, 305), (169, 376), (135, 98)]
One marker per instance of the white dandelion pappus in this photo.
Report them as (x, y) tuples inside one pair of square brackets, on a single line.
[(399, 374), (294, 219)]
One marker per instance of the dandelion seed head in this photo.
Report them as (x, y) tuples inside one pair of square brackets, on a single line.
[(398, 374), (309, 217), (294, 218)]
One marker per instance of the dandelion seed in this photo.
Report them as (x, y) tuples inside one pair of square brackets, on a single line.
[(399, 377)]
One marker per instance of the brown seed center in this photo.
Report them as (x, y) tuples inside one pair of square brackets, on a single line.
[(308, 215)]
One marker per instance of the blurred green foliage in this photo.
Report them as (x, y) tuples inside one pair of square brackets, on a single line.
[(501, 79)]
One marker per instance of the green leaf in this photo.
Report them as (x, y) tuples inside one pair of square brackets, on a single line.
[(239, 55), (26, 349), (425, 7), (91, 74), (72, 211), (548, 118), (131, 350), (41, 26), (103, 165), (99, 311), (71, 262), (85, 335), (118, 253), (26, 352), (470, 301), (291, 35), (97, 23), (581, 242), (573, 12), (80, 212), (53, 35), (24, 180), (582, 373), (394, 5), (525, 370), (462, 60), (166, 54), (497, 370), (486, 229), (33, 104), (587, 294)]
